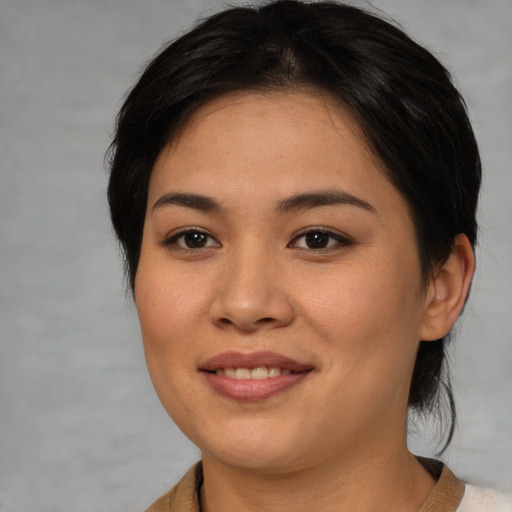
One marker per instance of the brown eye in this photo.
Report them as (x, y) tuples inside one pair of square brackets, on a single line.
[(195, 240), (321, 239), (317, 240), (191, 239)]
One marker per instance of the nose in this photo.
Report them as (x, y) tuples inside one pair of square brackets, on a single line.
[(251, 295)]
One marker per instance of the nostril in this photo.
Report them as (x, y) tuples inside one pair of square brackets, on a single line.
[(258, 311), (265, 320), (246, 325)]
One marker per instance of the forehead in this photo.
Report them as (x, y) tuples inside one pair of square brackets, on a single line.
[(247, 136), (255, 104)]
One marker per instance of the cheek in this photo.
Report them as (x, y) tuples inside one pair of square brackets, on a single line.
[(168, 300), (367, 315), (167, 315), (168, 320)]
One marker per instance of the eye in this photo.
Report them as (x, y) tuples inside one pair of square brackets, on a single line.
[(191, 239), (319, 239)]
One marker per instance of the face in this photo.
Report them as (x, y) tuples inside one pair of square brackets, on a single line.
[(279, 287)]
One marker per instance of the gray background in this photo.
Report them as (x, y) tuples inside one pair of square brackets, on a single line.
[(80, 426)]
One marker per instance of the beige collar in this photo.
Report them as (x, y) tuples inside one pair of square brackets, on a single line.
[(184, 496)]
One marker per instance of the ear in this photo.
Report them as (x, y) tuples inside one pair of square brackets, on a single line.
[(447, 291)]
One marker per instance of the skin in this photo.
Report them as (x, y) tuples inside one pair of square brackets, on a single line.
[(354, 311)]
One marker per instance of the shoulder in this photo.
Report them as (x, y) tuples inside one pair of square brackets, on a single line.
[(481, 499), (164, 503), (184, 496)]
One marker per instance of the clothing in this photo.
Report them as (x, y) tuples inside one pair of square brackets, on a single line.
[(449, 494), (479, 499), (184, 496)]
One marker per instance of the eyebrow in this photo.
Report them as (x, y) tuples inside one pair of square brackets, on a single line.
[(195, 201), (292, 204), (322, 198)]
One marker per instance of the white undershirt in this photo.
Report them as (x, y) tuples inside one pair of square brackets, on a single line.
[(481, 499)]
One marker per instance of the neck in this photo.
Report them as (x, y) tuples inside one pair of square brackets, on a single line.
[(371, 480)]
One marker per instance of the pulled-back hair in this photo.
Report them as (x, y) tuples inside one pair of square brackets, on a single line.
[(414, 120)]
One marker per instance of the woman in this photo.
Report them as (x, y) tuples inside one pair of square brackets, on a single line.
[(295, 187)]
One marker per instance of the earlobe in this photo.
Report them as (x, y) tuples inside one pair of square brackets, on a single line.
[(448, 290)]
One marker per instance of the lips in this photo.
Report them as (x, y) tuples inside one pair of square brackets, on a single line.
[(252, 377)]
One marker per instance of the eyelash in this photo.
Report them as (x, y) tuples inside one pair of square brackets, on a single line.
[(171, 242), (340, 240)]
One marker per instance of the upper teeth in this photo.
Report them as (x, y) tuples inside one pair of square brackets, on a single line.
[(261, 372)]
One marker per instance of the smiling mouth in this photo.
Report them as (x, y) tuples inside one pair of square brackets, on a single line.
[(258, 373), (253, 377)]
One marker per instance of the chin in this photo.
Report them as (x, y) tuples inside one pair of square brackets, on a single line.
[(254, 450), (267, 461)]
